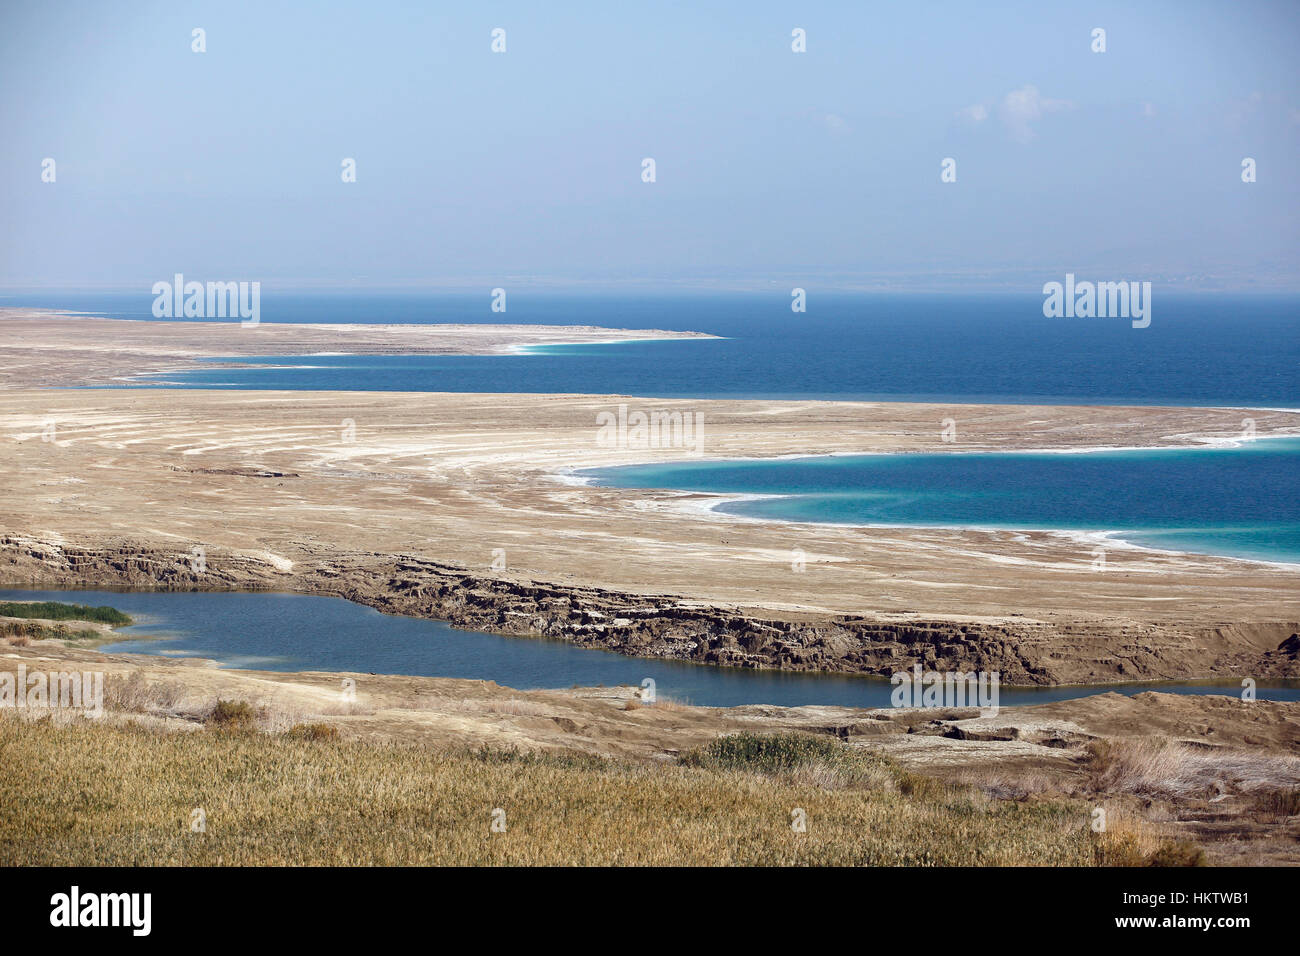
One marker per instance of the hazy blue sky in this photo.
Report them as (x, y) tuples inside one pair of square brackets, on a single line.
[(822, 167)]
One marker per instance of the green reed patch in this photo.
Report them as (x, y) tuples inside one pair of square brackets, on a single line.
[(61, 611)]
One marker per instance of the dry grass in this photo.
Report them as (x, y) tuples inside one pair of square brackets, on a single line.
[(474, 706), (136, 694), (805, 759), (22, 633), (1007, 785), (97, 794), (1129, 841), (313, 732), (512, 708), (1158, 767), (1279, 804), (670, 704)]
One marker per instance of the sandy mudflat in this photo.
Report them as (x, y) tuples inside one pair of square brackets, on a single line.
[(409, 513)]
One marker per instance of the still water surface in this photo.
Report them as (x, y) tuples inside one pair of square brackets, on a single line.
[(291, 632)]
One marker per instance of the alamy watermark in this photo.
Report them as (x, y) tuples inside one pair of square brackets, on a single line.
[(1103, 300), (75, 908), (81, 691), (215, 300), (636, 429), (922, 688)]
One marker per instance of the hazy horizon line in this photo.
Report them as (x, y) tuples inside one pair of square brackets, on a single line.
[(946, 283)]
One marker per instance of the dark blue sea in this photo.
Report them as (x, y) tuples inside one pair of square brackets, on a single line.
[(1213, 349)]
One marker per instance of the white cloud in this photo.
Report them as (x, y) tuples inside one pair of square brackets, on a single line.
[(1023, 107), (976, 114), (836, 123)]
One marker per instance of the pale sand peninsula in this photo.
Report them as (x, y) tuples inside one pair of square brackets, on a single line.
[(58, 348)]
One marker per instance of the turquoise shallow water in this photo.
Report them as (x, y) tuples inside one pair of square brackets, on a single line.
[(1237, 501), (289, 632)]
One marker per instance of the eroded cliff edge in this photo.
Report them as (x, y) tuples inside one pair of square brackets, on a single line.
[(1023, 650)]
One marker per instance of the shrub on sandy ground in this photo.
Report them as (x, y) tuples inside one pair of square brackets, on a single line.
[(136, 694), (1006, 785), (1177, 853), (22, 633), (312, 732), (808, 759), (764, 753), (921, 787), (119, 794), (1124, 842), (233, 715), (659, 703), (1136, 766), (670, 704), (1279, 804), (1128, 841)]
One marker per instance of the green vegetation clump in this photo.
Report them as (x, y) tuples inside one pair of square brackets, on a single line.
[(233, 715), (765, 753), (60, 611), (816, 759)]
